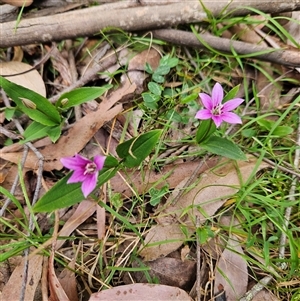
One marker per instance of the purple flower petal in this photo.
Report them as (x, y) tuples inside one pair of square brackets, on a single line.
[(89, 184), (231, 117), (206, 101), (204, 114), (232, 104), (99, 161), (74, 162), (217, 120), (77, 176), (217, 94)]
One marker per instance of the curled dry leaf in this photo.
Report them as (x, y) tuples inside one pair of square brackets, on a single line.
[(232, 271), (203, 200), (57, 292), (31, 80), (67, 279), (84, 210), (142, 291)]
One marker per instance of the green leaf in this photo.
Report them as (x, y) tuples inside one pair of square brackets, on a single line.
[(282, 131), (155, 88), (189, 98), (9, 113), (231, 94), (150, 100), (166, 60), (157, 194), (162, 70), (135, 150), (54, 133), (158, 78), (31, 103), (223, 147), (148, 68), (81, 95), (63, 195), (206, 129), (34, 131)]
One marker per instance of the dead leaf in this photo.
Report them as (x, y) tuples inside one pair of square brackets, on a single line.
[(142, 291), (56, 291), (214, 187), (231, 269), (67, 279), (84, 210), (31, 80), (12, 289), (169, 271), (19, 3)]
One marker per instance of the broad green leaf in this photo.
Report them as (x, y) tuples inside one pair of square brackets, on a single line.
[(81, 95), (34, 131), (63, 195), (54, 133), (31, 103), (162, 70), (232, 93), (150, 100), (223, 147), (155, 88), (167, 60), (205, 130), (135, 150), (9, 113), (282, 131), (278, 131), (189, 98), (158, 78), (148, 68)]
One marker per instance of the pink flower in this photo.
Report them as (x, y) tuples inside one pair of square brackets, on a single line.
[(85, 171), (215, 110)]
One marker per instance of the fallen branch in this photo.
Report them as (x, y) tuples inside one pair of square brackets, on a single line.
[(279, 56), (90, 21)]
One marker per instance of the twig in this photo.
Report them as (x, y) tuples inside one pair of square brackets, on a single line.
[(278, 56), (130, 17), (198, 280), (257, 288)]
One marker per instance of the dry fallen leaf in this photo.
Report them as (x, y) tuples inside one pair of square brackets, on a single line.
[(203, 200), (67, 279), (57, 293), (12, 289), (169, 271), (31, 80), (84, 210), (231, 271), (142, 291)]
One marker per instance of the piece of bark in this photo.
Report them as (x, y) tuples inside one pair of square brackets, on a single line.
[(86, 22), (179, 37)]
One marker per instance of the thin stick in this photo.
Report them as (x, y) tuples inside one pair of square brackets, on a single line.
[(198, 280)]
